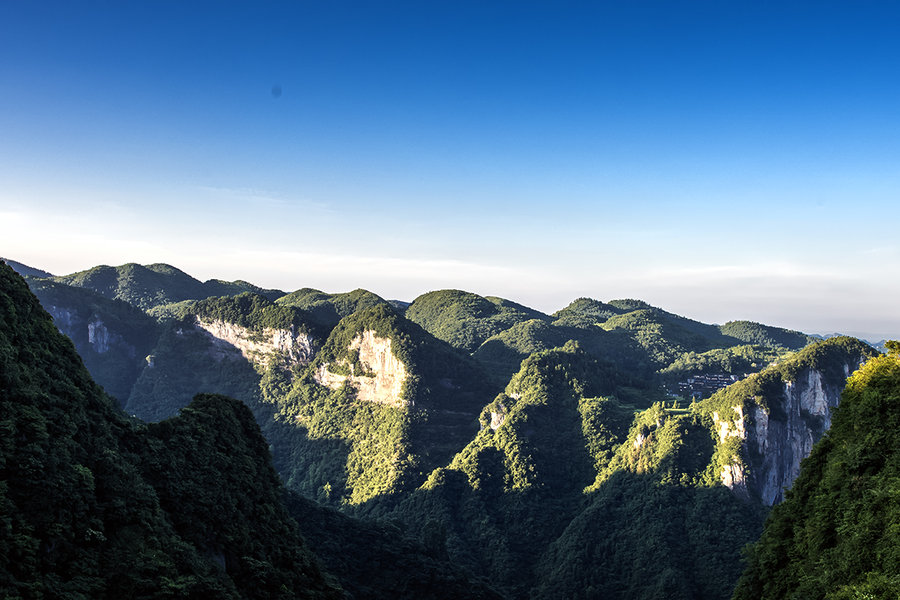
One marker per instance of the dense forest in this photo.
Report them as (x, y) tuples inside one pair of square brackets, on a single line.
[(454, 446)]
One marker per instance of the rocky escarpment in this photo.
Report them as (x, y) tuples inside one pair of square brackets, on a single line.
[(377, 376), (770, 427), (229, 339), (112, 345), (89, 334)]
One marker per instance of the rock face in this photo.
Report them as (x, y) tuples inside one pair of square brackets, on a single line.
[(91, 334), (382, 377), (777, 437), (228, 339)]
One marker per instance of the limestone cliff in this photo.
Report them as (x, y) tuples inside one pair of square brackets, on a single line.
[(296, 347), (377, 376), (89, 334), (111, 337), (768, 424)]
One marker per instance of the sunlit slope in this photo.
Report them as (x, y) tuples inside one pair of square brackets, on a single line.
[(382, 403)]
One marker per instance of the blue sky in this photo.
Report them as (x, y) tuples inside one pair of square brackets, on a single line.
[(723, 160)]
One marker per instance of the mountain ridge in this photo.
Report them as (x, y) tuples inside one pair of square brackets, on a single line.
[(498, 435)]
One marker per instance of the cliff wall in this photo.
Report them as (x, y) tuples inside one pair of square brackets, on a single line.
[(777, 431), (382, 374)]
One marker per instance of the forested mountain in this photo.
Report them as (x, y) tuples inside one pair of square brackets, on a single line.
[(765, 335), (837, 534), (590, 498), (466, 320), (147, 286), (563, 455), (326, 310), (91, 506)]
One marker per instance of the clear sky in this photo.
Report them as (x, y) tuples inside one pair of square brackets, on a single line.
[(722, 160)]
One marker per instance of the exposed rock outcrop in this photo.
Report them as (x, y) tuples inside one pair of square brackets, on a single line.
[(776, 435), (382, 376), (92, 333), (230, 339), (98, 337)]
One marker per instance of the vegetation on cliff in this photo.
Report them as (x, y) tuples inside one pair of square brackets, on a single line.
[(837, 533), (354, 449)]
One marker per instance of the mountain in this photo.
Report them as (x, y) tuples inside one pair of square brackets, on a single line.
[(836, 533), (226, 345), (382, 403), (465, 320), (149, 286), (766, 335), (326, 310), (321, 400), (377, 560), (91, 504), (516, 485), (94, 504), (584, 312), (25, 270), (649, 344), (555, 455), (769, 422), (664, 497), (588, 497)]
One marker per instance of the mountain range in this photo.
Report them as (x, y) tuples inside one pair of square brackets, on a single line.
[(479, 447)]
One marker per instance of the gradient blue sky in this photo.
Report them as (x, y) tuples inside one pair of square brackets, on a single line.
[(722, 160)]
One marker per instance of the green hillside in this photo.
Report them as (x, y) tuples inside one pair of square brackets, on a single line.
[(25, 270), (356, 448), (735, 360), (568, 491), (326, 310), (584, 312), (517, 484), (765, 335), (543, 453), (187, 359), (328, 443), (665, 336), (95, 505), (378, 561), (465, 320), (828, 357), (659, 499), (837, 533), (502, 353), (147, 286)]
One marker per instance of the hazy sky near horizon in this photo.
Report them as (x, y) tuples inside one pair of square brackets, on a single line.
[(722, 160)]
